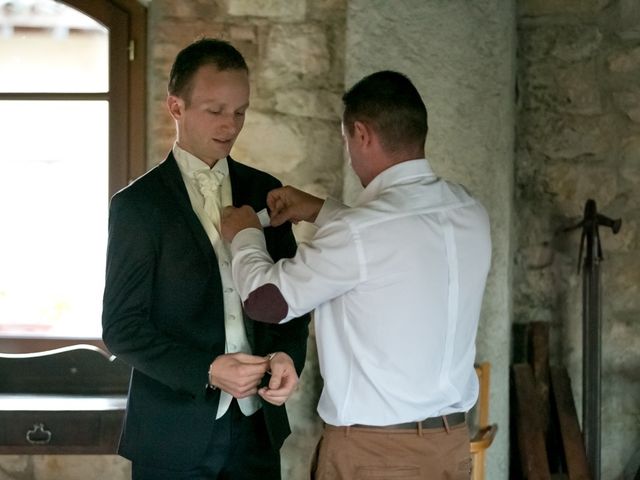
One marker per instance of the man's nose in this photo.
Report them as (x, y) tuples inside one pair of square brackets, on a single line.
[(231, 123)]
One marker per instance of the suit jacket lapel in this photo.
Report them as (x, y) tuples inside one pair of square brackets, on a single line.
[(242, 181), (238, 193), (173, 180)]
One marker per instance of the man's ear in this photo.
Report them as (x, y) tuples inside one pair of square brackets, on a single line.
[(175, 105), (361, 132)]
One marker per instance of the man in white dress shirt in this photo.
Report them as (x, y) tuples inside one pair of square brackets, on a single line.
[(396, 282)]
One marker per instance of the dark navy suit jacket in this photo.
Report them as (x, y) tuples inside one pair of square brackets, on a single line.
[(163, 314)]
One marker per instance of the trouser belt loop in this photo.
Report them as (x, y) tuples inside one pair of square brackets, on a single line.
[(420, 428), (347, 430), (446, 423)]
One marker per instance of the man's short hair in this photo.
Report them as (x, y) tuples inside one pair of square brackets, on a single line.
[(206, 51), (388, 102)]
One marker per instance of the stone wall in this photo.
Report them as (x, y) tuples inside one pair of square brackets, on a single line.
[(578, 137)]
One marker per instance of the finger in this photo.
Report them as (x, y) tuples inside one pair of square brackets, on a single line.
[(237, 382), (227, 211), (247, 209), (273, 200), (287, 385), (278, 392), (275, 395), (278, 220), (246, 393), (276, 379), (275, 208), (248, 358), (268, 396), (278, 217), (251, 373), (277, 199), (277, 194)]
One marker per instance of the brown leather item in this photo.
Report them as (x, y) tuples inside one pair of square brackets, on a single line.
[(445, 421)]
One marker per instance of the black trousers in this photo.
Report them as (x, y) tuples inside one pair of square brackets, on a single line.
[(239, 449)]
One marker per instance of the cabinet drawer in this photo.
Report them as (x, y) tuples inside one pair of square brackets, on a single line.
[(64, 432)]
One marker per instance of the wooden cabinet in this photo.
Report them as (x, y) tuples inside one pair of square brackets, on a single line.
[(67, 401)]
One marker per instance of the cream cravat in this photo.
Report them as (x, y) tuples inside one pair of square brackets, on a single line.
[(209, 182)]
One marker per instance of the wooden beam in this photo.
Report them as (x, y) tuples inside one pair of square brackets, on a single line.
[(530, 433), (539, 361), (572, 441)]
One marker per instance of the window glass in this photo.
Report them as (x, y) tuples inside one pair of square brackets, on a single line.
[(46, 46), (54, 169)]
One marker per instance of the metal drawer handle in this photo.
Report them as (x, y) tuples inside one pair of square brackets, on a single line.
[(38, 436)]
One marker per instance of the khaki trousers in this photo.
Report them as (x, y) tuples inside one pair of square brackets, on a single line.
[(359, 453)]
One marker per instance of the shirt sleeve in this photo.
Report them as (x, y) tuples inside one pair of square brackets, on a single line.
[(324, 269), (330, 208)]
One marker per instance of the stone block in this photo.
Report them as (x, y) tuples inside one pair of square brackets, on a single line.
[(534, 295), (81, 467), (534, 8), (629, 103), (626, 240), (538, 256), (626, 61), (622, 340), (15, 467), (566, 137), (566, 42), (285, 9), (620, 279), (270, 143), (163, 51), (295, 55), (576, 42), (324, 10), (309, 103), (192, 9), (558, 69), (572, 184), (626, 22), (324, 151), (578, 89), (620, 406), (630, 172), (245, 33)]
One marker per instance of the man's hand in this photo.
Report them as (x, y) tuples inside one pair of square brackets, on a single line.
[(290, 204), (284, 379), (238, 374), (236, 219)]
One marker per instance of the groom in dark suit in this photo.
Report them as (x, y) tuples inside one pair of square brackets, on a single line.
[(208, 384)]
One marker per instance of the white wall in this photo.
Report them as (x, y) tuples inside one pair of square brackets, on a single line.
[(461, 57)]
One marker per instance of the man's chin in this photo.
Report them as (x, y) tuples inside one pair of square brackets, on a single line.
[(223, 151), (220, 153)]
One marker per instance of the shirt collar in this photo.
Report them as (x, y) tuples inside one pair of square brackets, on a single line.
[(394, 175), (189, 164)]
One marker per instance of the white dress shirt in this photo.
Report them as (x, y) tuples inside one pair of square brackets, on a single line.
[(397, 283), (235, 334)]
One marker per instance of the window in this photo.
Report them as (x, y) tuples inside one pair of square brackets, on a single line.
[(72, 120)]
